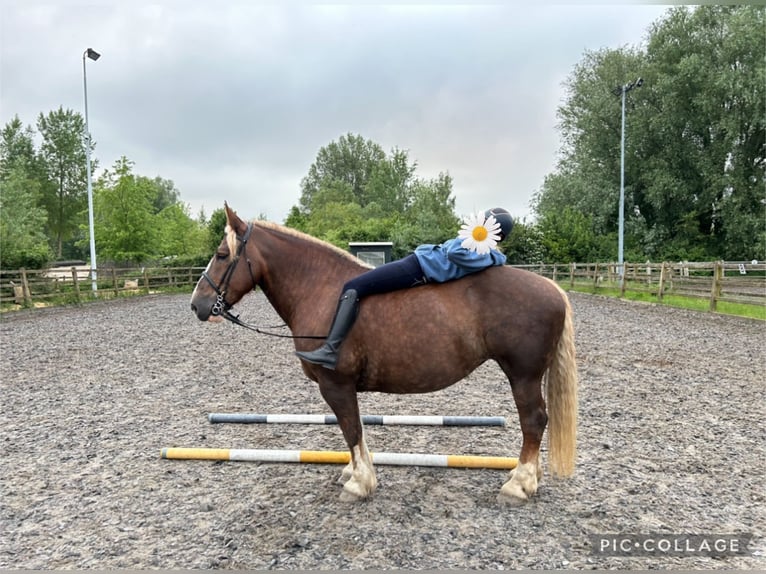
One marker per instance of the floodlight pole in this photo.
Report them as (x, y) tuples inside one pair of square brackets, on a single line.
[(621, 226), (93, 55)]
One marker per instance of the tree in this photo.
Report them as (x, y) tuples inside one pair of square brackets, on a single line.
[(22, 222), (23, 242), (17, 148), (588, 171), (567, 236), (694, 139), (706, 172), (166, 194), (179, 234), (125, 226), (430, 217), (525, 244), (356, 192), (63, 158), (345, 166), (216, 228)]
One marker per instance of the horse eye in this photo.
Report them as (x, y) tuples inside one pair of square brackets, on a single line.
[(221, 254)]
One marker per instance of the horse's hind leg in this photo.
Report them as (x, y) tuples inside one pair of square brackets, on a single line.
[(527, 393), (359, 475)]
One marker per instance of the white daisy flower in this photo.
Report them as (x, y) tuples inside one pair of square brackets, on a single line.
[(478, 234)]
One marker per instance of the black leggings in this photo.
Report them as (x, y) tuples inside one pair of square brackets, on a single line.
[(399, 274)]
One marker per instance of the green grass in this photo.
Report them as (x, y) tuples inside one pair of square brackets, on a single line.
[(693, 303)]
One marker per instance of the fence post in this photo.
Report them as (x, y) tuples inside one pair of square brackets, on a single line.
[(661, 287), (146, 280), (554, 272), (715, 290), (25, 287), (76, 284), (571, 275), (624, 281), (114, 282), (595, 277)]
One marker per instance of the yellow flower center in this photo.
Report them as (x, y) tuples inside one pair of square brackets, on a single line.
[(479, 233)]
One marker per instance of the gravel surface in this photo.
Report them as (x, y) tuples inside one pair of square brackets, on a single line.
[(671, 440)]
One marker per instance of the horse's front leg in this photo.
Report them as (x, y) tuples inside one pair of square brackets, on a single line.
[(533, 418), (359, 475)]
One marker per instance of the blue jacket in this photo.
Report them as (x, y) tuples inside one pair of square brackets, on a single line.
[(450, 260)]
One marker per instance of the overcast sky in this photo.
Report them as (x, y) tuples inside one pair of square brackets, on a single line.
[(232, 100)]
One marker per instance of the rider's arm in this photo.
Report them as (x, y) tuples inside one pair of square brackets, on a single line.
[(468, 259)]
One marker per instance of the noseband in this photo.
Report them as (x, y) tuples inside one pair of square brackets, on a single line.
[(221, 306)]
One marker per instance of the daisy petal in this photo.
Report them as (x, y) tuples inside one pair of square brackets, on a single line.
[(479, 234)]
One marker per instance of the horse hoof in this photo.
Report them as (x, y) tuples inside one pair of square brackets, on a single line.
[(505, 499), (516, 492), (346, 496), (353, 491)]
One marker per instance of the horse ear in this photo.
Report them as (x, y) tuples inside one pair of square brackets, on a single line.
[(233, 220)]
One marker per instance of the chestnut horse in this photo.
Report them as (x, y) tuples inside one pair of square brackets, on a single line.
[(410, 341)]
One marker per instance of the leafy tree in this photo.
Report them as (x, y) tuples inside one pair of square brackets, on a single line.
[(356, 192), (706, 173), (525, 244), (215, 230), (166, 194), (23, 242), (567, 236), (335, 221), (179, 234), (63, 158), (430, 217), (22, 222), (126, 231), (389, 185), (694, 139), (295, 219), (588, 172), (17, 148), (344, 167)]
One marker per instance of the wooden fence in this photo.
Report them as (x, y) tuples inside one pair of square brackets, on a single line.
[(736, 282), (73, 285), (717, 281)]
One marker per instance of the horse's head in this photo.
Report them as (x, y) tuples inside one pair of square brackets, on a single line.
[(229, 275)]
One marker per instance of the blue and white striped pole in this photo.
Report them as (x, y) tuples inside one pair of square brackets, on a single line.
[(432, 420)]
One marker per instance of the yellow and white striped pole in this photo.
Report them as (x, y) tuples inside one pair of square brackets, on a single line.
[(339, 457)]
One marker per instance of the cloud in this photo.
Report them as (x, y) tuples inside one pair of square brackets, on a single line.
[(232, 101)]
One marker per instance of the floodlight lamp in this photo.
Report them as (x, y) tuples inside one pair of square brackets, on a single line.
[(92, 54)]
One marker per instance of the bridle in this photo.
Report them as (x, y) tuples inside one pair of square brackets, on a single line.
[(222, 308)]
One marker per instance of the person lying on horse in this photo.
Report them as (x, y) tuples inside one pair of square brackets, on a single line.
[(471, 251)]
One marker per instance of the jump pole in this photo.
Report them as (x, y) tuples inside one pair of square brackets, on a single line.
[(447, 421), (339, 457)]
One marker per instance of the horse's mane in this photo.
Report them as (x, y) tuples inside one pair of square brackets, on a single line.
[(231, 239)]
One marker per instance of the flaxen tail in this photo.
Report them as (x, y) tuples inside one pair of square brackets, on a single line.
[(562, 401)]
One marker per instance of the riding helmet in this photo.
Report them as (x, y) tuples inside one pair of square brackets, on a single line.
[(503, 218)]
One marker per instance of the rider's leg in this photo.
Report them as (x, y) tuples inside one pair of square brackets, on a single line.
[(393, 276)]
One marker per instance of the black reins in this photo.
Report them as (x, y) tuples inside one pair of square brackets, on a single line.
[(222, 308)]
